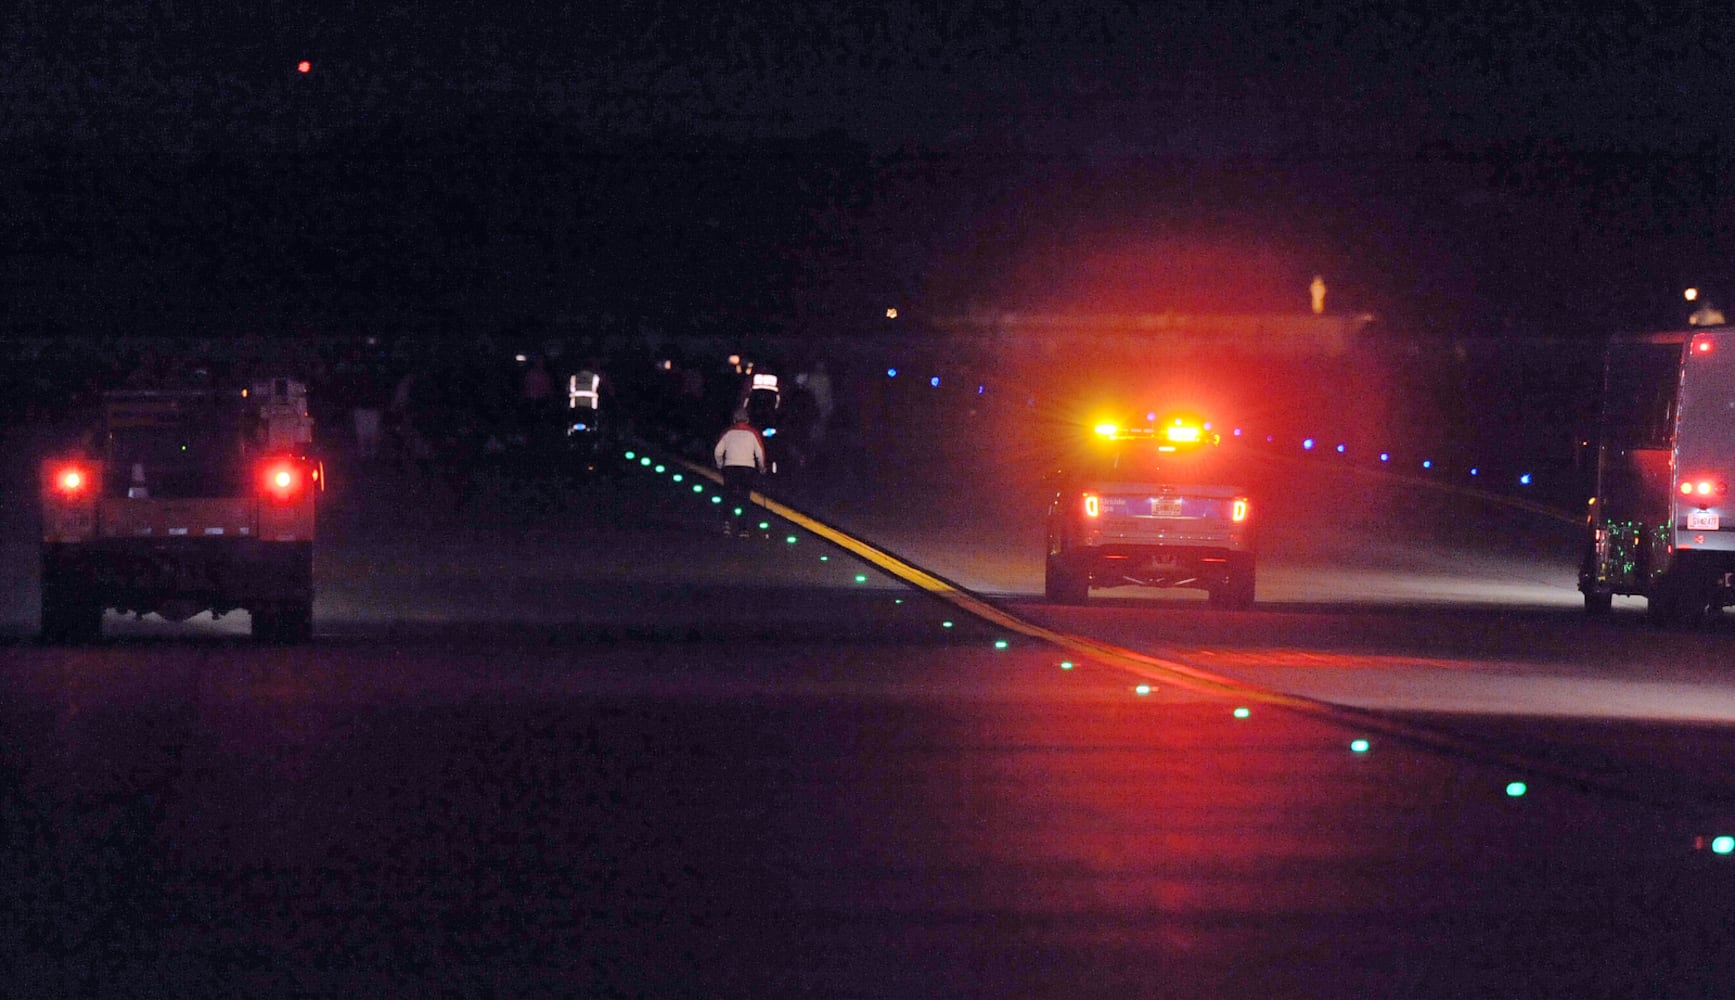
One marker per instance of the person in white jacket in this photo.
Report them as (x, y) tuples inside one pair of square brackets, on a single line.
[(740, 454)]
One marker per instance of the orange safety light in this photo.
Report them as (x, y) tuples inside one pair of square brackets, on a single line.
[(1107, 430), (1238, 510), (1187, 433), (1092, 505)]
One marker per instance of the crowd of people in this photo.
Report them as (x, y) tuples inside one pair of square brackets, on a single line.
[(450, 412)]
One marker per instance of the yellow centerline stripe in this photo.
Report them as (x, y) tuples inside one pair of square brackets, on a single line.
[(1185, 675)]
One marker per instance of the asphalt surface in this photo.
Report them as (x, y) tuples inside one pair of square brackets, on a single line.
[(571, 740)]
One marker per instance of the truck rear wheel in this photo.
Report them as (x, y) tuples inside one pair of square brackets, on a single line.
[(70, 622), (68, 616), (283, 623), (1234, 592), (1679, 597)]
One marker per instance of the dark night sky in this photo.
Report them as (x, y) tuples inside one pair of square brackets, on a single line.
[(1120, 78), (1426, 153)]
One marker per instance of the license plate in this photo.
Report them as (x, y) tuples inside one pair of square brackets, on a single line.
[(1701, 520), (1166, 506)]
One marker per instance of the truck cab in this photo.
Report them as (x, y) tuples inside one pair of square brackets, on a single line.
[(1661, 524), (183, 501)]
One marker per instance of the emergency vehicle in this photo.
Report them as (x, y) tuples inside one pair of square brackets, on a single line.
[(1661, 524), (1154, 506), (183, 501)]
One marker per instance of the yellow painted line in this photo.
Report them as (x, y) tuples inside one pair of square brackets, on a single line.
[(1161, 669), (1141, 664)]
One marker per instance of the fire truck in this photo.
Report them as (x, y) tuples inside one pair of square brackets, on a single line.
[(1661, 524), (182, 501)]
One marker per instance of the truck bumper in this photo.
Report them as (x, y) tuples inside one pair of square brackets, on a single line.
[(219, 575)]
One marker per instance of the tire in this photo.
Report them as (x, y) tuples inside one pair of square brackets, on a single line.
[(70, 621), (1237, 589), (1064, 586), (1678, 597), (287, 623), (69, 616)]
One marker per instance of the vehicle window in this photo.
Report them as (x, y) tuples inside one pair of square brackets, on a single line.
[(191, 459), (1144, 461)]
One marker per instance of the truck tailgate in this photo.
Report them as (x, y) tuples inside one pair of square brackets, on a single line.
[(197, 518)]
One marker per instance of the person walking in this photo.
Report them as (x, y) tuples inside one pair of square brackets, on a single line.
[(740, 454)]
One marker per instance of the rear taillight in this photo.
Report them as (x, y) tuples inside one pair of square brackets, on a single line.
[(283, 479), (1092, 505), (71, 481), (1704, 487), (1238, 510)]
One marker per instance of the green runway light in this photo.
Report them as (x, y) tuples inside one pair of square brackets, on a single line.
[(861, 578), (790, 539), (763, 525), (999, 643), (946, 624), (1516, 789), (632, 455), (737, 512), (1066, 664), (1242, 713), (716, 499), (825, 559), (698, 487), (1723, 845), (1142, 689), (646, 461), (898, 601), (1359, 746), (679, 477), (662, 469)]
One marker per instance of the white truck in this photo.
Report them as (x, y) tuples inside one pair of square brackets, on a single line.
[(1661, 524)]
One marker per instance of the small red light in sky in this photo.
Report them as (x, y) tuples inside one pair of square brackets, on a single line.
[(304, 67)]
